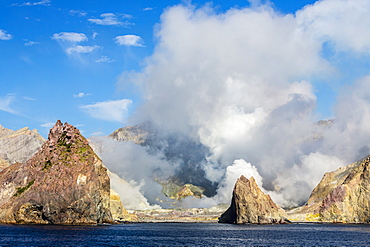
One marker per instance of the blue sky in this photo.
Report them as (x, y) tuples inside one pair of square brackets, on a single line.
[(65, 59)]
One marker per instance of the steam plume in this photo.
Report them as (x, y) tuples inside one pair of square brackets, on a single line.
[(242, 84)]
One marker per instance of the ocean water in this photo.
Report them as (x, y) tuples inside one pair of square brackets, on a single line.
[(186, 234)]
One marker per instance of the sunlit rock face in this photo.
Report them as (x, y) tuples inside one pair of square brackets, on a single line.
[(119, 213), (345, 194), (18, 146), (63, 183), (250, 205), (342, 195)]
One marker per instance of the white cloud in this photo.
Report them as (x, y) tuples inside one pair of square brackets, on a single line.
[(47, 125), (80, 95), (345, 23), (98, 133), (42, 2), (70, 36), (80, 13), (115, 111), (81, 49), (5, 103), (104, 59), (130, 40), (28, 98), (148, 9), (109, 19), (31, 43), (4, 35)]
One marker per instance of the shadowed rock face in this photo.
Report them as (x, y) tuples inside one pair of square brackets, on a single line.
[(250, 205), (63, 183)]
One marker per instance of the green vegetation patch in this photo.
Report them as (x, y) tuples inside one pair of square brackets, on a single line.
[(20, 190), (62, 142), (47, 165)]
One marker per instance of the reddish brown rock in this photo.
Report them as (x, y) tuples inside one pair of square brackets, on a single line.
[(250, 205), (63, 183)]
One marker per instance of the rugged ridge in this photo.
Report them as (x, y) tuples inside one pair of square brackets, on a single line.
[(18, 146), (63, 183), (250, 205), (342, 195)]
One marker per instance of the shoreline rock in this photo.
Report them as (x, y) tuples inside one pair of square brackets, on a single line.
[(65, 182), (249, 205)]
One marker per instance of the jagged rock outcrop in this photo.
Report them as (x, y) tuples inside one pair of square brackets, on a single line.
[(63, 183), (18, 146), (342, 196), (173, 189), (137, 133), (250, 205)]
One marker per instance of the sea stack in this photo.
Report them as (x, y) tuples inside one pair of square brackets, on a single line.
[(250, 205), (65, 182)]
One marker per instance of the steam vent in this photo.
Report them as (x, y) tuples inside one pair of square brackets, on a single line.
[(63, 183), (250, 205)]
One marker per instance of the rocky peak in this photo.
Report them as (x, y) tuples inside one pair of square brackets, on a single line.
[(18, 146), (63, 183), (250, 205)]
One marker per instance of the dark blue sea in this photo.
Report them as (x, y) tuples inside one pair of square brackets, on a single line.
[(186, 234)]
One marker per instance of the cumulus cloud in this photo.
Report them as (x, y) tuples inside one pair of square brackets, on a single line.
[(70, 37), (109, 19), (129, 40), (81, 49), (115, 111), (4, 35), (344, 23), (240, 82)]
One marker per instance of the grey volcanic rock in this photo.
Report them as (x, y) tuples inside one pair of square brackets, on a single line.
[(63, 183), (250, 205), (138, 133), (18, 146)]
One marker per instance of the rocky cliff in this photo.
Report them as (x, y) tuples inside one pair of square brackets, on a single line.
[(342, 196), (63, 183), (250, 205), (18, 146)]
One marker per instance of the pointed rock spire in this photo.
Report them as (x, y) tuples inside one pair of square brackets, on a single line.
[(250, 205)]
